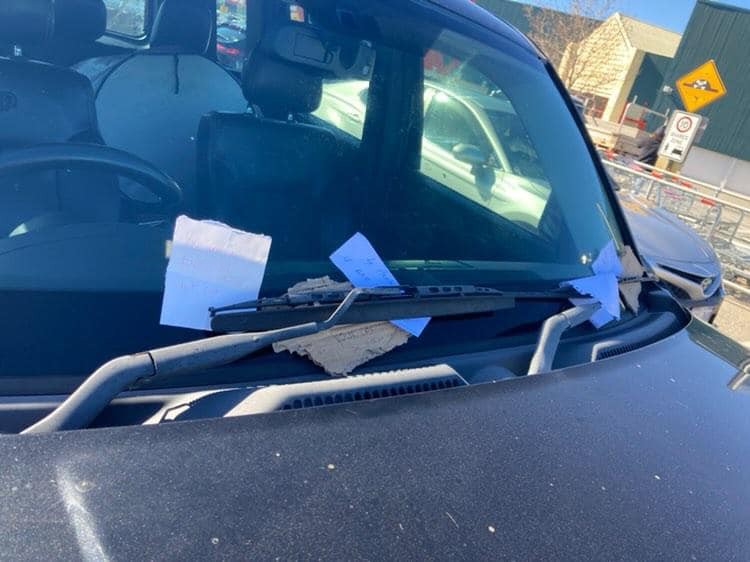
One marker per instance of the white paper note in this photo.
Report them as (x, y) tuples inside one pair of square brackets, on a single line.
[(361, 264), (211, 265)]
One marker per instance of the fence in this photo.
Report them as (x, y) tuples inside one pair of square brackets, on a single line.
[(720, 217)]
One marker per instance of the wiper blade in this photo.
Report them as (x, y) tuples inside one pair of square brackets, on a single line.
[(373, 305)]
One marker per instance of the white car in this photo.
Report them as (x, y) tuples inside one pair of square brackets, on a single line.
[(461, 147)]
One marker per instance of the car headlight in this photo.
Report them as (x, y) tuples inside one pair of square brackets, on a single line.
[(691, 286)]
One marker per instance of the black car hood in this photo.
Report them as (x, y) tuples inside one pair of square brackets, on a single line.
[(642, 456)]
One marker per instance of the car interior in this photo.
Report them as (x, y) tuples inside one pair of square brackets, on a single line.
[(104, 141)]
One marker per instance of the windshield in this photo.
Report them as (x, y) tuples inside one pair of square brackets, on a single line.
[(455, 156)]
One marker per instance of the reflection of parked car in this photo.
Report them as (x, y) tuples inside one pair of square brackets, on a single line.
[(230, 46), (685, 263), (473, 144), (466, 136)]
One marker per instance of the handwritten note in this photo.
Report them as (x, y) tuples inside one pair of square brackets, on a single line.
[(361, 264), (211, 265), (603, 286)]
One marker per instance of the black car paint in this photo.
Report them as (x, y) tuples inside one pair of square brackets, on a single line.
[(642, 456)]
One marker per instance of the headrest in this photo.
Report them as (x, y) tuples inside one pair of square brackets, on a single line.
[(30, 22), (280, 88), (24, 22), (184, 27), (42, 103), (80, 20)]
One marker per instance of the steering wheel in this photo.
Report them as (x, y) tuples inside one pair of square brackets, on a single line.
[(98, 158)]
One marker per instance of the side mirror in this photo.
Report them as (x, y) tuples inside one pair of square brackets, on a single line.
[(469, 154), (484, 175)]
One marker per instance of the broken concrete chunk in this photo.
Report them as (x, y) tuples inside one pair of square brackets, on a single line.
[(342, 349), (320, 284)]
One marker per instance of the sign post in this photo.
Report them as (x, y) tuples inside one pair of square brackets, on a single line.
[(680, 135), (701, 86)]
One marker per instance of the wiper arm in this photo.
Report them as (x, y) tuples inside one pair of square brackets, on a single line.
[(374, 305), (88, 401), (552, 330)]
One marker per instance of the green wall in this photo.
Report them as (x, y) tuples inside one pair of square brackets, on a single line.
[(651, 76), (721, 32)]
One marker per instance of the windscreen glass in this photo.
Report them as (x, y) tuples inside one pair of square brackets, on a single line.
[(456, 157)]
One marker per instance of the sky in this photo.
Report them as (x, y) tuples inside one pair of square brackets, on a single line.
[(671, 14)]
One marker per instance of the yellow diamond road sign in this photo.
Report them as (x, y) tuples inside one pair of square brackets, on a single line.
[(701, 86)]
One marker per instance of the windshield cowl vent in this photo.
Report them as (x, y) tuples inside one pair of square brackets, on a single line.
[(654, 327), (614, 351), (346, 390)]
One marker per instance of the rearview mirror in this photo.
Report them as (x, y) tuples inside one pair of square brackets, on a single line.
[(469, 154)]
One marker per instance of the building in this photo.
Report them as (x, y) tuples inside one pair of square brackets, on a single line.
[(607, 64), (622, 60), (720, 32)]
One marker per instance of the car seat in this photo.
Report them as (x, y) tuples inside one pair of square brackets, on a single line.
[(150, 102), (42, 103), (268, 172)]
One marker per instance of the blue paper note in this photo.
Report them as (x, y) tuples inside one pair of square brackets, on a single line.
[(361, 264), (603, 286)]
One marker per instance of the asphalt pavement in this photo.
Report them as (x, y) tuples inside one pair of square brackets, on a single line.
[(734, 320)]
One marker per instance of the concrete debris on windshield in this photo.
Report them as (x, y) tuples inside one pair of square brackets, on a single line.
[(342, 349)]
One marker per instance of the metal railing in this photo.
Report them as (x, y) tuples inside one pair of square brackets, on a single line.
[(723, 224), (686, 181)]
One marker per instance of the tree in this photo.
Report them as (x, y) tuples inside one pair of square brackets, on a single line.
[(575, 37)]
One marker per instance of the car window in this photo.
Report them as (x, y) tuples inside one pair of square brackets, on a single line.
[(515, 144), (126, 17), (448, 123), (231, 27), (476, 144), (344, 105)]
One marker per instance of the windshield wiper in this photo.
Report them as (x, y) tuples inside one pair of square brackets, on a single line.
[(88, 401), (373, 305), (551, 333)]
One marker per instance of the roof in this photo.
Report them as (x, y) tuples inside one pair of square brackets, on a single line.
[(480, 13), (724, 6), (649, 38)]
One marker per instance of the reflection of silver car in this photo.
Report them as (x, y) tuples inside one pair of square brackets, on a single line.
[(480, 150), (477, 146)]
